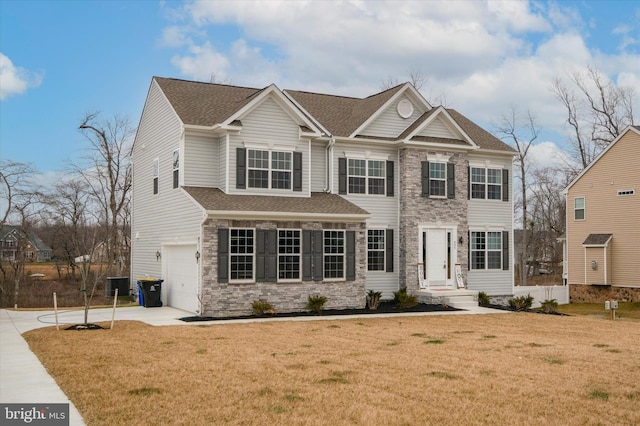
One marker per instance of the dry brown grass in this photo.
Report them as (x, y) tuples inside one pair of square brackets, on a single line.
[(473, 369)]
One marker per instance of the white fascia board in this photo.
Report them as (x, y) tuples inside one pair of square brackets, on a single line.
[(406, 88), (620, 136), (442, 111), (284, 101), (440, 145), (259, 215)]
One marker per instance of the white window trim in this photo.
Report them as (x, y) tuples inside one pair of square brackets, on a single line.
[(156, 174), (383, 250), (485, 183), (299, 255), (174, 168), (366, 177), (445, 179), (270, 170), (486, 250), (344, 256), (253, 259), (584, 208)]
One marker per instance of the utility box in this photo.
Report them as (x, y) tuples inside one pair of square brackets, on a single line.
[(120, 283)]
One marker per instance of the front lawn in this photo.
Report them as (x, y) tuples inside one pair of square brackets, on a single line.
[(517, 368), (626, 310)]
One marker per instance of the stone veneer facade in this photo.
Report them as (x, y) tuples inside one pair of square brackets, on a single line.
[(231, 299), (581, 293), (416, 210)]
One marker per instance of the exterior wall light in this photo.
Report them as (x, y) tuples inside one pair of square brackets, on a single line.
[(158, 255)]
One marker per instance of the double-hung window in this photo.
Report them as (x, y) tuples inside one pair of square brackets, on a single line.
[(578, 208), (486, 183), (437, 179), (375, 249), (366, 176), (486, 250), (289, 244), (176, 168), (269, 169), (241, 253), (334, 255)]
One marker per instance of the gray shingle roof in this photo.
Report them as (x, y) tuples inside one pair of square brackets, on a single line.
[(213, 199), (207, 104), (597, 239)]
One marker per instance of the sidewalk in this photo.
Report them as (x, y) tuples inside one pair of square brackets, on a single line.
[(23, 379)]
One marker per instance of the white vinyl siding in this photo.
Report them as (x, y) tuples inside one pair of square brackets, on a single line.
[(169, 216), (389, 123), (201, 161), (439, 129), (268, 125), (318, 166)]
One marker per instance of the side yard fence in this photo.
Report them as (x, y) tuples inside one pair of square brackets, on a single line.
[(541, 293)]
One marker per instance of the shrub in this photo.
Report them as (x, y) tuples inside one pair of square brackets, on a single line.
[(316, 303), (373, 299), (483, 299), (404, 300), (521, 302), (549, 306), (262, 307)]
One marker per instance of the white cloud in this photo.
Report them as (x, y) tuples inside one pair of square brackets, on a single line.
[(481, 56), (15, 80)]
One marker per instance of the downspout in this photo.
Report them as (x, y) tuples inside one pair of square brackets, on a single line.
[(329, 169)]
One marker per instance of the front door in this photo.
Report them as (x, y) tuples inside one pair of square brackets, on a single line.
[(437, 256)]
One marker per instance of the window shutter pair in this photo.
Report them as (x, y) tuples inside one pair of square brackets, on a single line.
[(313, 255), (342, 177), (451, 179), (241, 169), (267, 255)]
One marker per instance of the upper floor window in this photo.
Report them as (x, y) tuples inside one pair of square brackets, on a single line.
[(269, 169), (486, 183), (366, 176), (578, 208), (437, 179), (176, 167), (156, 174)]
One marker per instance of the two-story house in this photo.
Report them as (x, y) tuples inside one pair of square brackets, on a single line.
[(602, 253), (242, 194), (15, 242)]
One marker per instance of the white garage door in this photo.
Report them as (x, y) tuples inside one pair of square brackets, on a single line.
[(180, 286)]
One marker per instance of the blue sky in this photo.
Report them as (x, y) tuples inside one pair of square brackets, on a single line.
[(62, 59)]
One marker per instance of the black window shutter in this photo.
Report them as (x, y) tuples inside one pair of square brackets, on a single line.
[(388, 240), (241, 168), (342, 175), (468, 250), (468, 183), (425, 178), (351, 255), (223, 255), (505, 185), (505, 250), (266, 255), (451, 180), (261, 254), (297, 171), (317, 246), (307, 259), (390, 179)]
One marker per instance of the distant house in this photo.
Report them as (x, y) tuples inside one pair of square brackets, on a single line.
[(603, 224), (13, 241), (242, 194)]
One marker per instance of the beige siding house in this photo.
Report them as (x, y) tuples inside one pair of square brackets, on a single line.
[(603, 224), (242, 194)]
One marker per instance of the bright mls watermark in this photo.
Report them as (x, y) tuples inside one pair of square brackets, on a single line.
[(34, 414)]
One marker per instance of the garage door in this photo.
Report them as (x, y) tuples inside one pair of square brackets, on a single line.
[(180, 287)]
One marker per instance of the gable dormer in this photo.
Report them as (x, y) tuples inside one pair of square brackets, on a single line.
[(438, 128)]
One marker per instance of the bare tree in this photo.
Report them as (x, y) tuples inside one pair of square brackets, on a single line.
[(107, 173), (597, 111), (521, 134), (416, 78)]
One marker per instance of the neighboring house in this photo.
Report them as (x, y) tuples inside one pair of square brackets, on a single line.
[(603, 224), (13, 240), (242, 194)]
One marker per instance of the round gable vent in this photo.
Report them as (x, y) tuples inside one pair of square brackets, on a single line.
[(405, 108)]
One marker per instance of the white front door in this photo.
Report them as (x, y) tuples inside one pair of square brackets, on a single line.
[(438, 257)]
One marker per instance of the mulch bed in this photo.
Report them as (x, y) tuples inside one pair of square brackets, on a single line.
[(383, 308)]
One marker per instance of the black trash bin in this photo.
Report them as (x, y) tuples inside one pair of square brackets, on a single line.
[(120, 283), (151, 292)]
